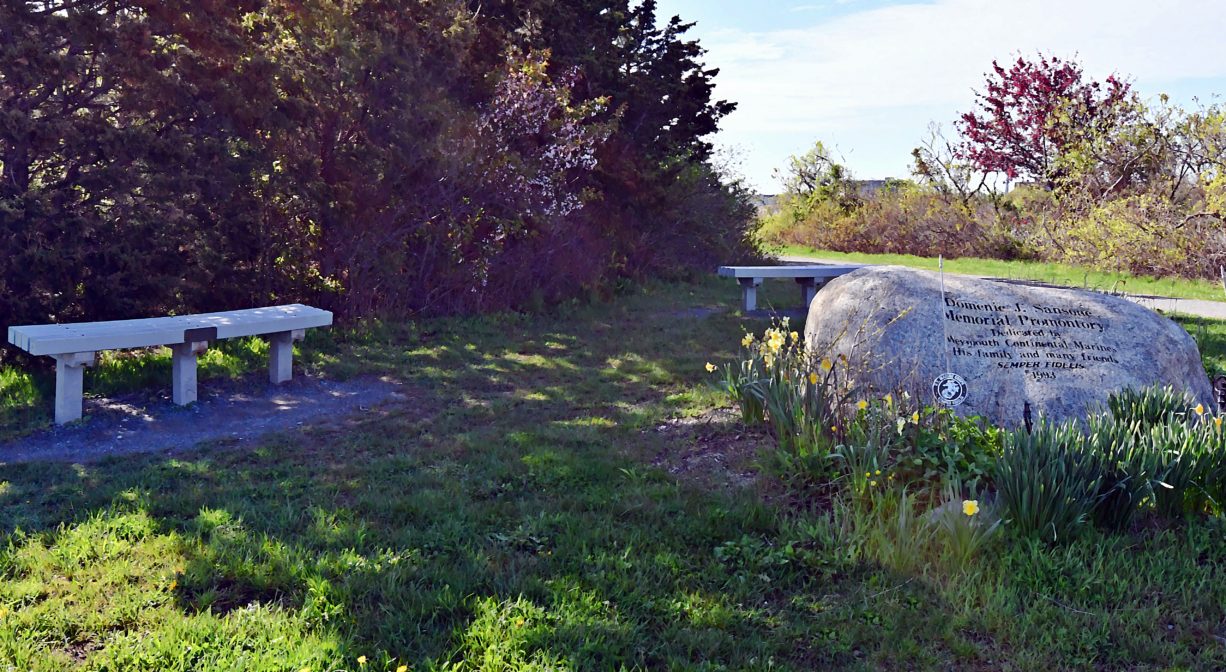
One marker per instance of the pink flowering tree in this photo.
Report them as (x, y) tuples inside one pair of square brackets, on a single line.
[(1032, 112)]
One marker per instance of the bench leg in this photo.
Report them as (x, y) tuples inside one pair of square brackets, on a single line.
[(281, 355), (808, 290), (70, 385), (749, 293), (183, 371)]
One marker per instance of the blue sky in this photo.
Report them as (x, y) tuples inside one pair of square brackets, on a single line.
[(867, 77)]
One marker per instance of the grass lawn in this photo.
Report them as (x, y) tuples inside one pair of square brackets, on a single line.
[(1056, 274), (559, 492)]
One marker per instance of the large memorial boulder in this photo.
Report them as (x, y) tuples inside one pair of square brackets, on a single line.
[(1060, 352)]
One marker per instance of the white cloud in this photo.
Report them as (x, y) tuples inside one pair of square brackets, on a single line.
[(835, 75)]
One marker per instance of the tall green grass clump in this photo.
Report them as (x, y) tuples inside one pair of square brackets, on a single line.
[(1048, 481)]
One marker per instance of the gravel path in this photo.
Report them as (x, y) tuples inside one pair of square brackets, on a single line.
[(232, 411), (1199, 307)]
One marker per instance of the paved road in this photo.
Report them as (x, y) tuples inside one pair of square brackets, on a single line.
[(1201, 308)]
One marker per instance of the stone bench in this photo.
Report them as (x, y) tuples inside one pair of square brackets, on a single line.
[(810, 277), (73, 345)]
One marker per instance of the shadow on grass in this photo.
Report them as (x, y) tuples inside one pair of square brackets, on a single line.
[(508, 523)]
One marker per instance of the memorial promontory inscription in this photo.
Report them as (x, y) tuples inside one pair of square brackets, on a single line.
[(1059, 351)]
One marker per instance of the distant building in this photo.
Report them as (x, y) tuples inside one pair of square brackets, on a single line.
[(766, 203), (867, 188)]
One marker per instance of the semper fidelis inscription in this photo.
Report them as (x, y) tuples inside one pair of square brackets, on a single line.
[(1061, 351)]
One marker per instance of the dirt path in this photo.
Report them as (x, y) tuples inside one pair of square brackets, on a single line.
[(239, 410), (1212, 309)]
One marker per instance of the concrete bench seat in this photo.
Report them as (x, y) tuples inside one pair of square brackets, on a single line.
[(810, 277), (74, 345)]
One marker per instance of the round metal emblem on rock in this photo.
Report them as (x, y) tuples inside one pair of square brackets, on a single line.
[(949, 389)]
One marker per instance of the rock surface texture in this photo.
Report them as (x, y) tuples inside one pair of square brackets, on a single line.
[(1061, 351)]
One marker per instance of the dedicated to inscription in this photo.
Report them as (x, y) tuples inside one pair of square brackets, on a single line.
[(1040, 340)]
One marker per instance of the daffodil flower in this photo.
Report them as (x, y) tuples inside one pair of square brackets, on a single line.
[(747, 341), (826, 365), (888, 399), (795, 336), (813, 381), (1217, 422), (361, 660), (1200, 409), (970, 507), (861, 404), (710, 367), (915, 417)]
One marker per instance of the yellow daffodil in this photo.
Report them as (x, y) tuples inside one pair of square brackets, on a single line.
[(872, 484), (891, 477), (173, 585), (1217, 422), (813, 381), (868, 474), (888, 399), (877, 473), (710, 367), (915, 417), (794, 336), (861, 404), (747, 341), (402, 668), (768, 359), (970, 507), (361, 660), (826, 365), (834, 428), (1200, 409)]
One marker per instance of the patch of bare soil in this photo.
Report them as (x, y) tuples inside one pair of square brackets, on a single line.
[(714, 449), (234, 411)]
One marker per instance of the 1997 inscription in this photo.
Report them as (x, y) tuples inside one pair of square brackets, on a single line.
[(1041, 340)]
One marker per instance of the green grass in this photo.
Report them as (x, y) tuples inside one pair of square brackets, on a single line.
[(517, 513), (1056, 274), (1210, 336)]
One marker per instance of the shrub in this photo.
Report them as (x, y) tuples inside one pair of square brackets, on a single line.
[(907, 220), (945, 447)]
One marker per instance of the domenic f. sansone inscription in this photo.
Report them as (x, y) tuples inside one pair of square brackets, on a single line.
[(1042, 340)]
